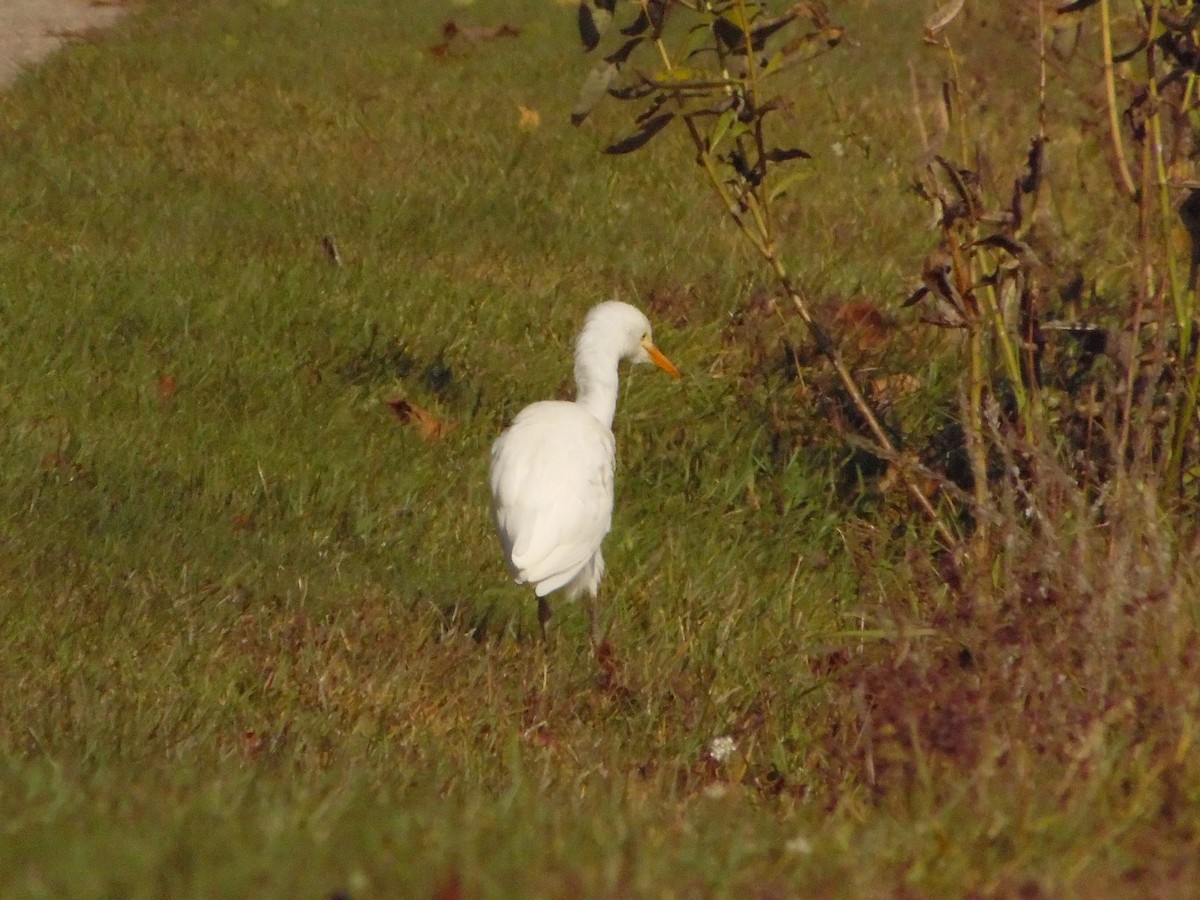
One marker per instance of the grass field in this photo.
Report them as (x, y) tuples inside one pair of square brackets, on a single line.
[(256, 636)]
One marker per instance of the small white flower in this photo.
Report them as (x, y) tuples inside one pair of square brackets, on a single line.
[(838, 148), (721, 748), (799, 844)]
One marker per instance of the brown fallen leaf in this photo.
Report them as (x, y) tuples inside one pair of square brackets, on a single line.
[(864, 325), (252, 743), (427, 424), (477, 33), (329, 245), (890, 388), (165, 384), (61, 464), (449, 888), (529, 118), (473, 34)]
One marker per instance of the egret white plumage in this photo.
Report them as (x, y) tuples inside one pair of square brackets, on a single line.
[(552, 471)]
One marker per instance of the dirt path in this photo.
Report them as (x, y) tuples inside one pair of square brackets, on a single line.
[(31, 30)]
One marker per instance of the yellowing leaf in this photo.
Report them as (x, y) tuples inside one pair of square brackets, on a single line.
[(529, 118), (679, 73)]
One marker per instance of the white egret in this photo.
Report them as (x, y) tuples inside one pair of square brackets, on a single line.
[(552, 470)]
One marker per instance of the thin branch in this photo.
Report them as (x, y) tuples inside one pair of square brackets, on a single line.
[(1110, 89)]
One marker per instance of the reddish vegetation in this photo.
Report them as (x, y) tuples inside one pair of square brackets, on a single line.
[(426, 423)]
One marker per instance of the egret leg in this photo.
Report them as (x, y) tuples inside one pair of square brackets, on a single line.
[(543, 616), (596, 627)]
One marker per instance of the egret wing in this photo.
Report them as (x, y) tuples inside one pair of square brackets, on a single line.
[(552, 490)]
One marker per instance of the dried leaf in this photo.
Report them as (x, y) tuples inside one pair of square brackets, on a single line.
[(618, 57), (450, 888), (915, 297), (804, 48), (942, 17), (633, 91), (863, 325), (779, 154), (1034, 165), (331, 250), (890, 388), (428, 426), (642, 136), (165, 384), (593, 90), (728, 33), (1126, 55), (965, 184), (738, 162), (658, 15), (593, 22), (763, 30), (472, 33), (638, 25), (1019, 250), (529, 118), (61, 464), (775, 104), (478, 33), (651, 111), (252, 743), (1180, 21), (816, 11), (1076, 6)]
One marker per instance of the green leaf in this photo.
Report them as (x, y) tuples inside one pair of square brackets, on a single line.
[(642, 136), (782, 187), (721, 127), (697, 41), (593, 90)]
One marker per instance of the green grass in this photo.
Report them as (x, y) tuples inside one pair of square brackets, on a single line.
[(256, 637)]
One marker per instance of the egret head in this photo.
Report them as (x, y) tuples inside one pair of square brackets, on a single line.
[(626, 329)]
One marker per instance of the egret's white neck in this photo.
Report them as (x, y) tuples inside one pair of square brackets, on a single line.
[(596, 363)]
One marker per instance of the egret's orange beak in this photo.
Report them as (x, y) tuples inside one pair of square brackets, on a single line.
[(656, 357)]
